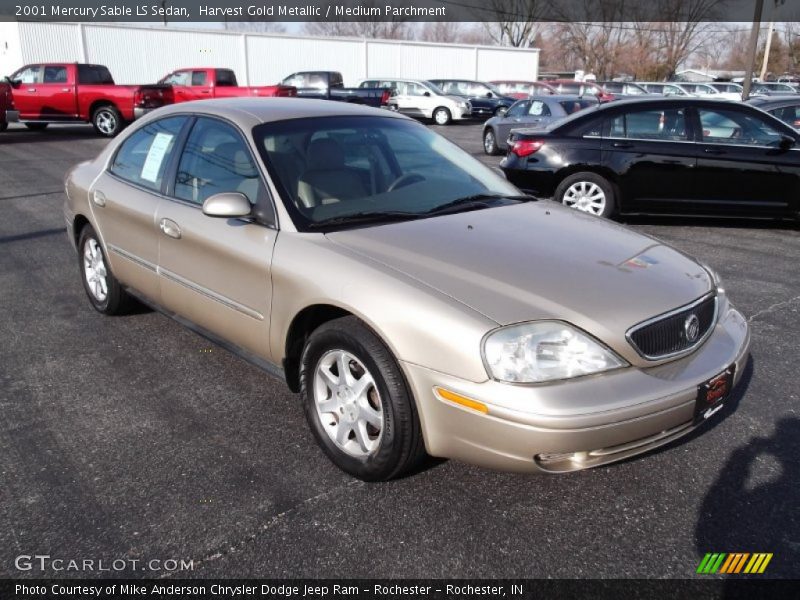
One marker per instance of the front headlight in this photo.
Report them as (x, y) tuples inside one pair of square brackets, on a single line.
[(544, 351)]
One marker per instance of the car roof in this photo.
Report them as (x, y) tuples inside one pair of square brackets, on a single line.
[(774, 101), (248, 112)]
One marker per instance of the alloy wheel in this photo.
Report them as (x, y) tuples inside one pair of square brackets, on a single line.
[(94, 270), (586, 196), (106, 122), (348, 403)]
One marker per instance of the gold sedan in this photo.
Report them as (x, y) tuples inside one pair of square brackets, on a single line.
[(416, 300)]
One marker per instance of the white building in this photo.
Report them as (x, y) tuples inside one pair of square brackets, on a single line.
[(136, 54)]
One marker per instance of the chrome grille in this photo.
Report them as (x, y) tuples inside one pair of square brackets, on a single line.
[(666, 335)]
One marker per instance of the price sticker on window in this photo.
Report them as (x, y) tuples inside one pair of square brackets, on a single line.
[(155, 156)]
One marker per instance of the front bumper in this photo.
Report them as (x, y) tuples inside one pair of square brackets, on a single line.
[(460, 113), (604, 418), (12, 116)]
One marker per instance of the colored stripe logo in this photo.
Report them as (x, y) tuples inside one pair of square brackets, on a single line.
[(714, 563)]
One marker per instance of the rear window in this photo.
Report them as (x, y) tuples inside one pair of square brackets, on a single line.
[(94, 75), (225, 78), (142, 158)]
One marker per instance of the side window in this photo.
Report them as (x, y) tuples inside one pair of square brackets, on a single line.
[(214, 160), (788, 114), (416, 90), (143, 157), (519, 109), (225, 78), (178, 78), (667, 125), (94, 75), (198, 78), (29, 74), (734, 127), (593, 129), (55, 74), (539, 109)]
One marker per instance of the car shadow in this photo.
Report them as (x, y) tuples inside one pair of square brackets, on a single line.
[(54, 133), (754, 508)]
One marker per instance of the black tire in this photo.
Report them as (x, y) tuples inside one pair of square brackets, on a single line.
[(37, 126), (3, 126), (117, 301), (442, 116), (589, 178), (490, 142), (401, 445), (107, 121)]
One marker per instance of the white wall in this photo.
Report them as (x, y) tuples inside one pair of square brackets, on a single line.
[(10, 52), (144, 54)]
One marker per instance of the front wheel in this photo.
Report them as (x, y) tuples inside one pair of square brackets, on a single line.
[(442, 116), (107, 121), (587, 192), (3, 126), (357, 403), (490, 143)]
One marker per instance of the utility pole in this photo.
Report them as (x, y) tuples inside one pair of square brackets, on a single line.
[(751, 49), (767, 46)]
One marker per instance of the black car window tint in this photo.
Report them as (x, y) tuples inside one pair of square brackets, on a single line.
[(55, 75)]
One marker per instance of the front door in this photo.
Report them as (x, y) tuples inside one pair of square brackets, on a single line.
[(26, 91), (57, 98), (740, 166), (216, 271)]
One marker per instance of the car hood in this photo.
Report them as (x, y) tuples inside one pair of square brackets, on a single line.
[(538, 260)]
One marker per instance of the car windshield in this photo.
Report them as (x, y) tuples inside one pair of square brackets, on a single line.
[(329, 170), (497, 91)]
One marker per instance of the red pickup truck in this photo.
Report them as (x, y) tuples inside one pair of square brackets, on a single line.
[(202, 83), (75, 92)]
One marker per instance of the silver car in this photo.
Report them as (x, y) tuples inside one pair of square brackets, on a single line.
[(538, 111), (413, 297)]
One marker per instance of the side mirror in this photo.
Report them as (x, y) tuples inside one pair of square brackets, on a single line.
[(427, 94), (786, 142), (227, 205), (489, 95), (14, 83)]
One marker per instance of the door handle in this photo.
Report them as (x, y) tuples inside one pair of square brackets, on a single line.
[(170, 228), (205, 91), (66, 90), (31, 89), (714, 151), (622, 145), (99, 198)]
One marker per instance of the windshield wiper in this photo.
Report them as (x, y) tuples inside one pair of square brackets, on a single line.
[(474, 202), (364, 217)]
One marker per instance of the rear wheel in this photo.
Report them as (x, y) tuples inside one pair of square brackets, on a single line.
[(357, 403), (104, 291), (587, 192), (3, 126), (490, 142), (107, 121), (442, 116), (37, 126)]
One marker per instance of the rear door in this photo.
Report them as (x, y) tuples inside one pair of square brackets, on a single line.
[(125, 201), (57, 95), (740, 166), (652, 152), (181, 85), (216, 271)]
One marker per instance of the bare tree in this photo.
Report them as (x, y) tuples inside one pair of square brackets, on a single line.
[(687, 31), (256, 26), (395, 29), (518, 22)]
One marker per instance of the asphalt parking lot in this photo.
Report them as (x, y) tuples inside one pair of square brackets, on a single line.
[(134, 438)]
